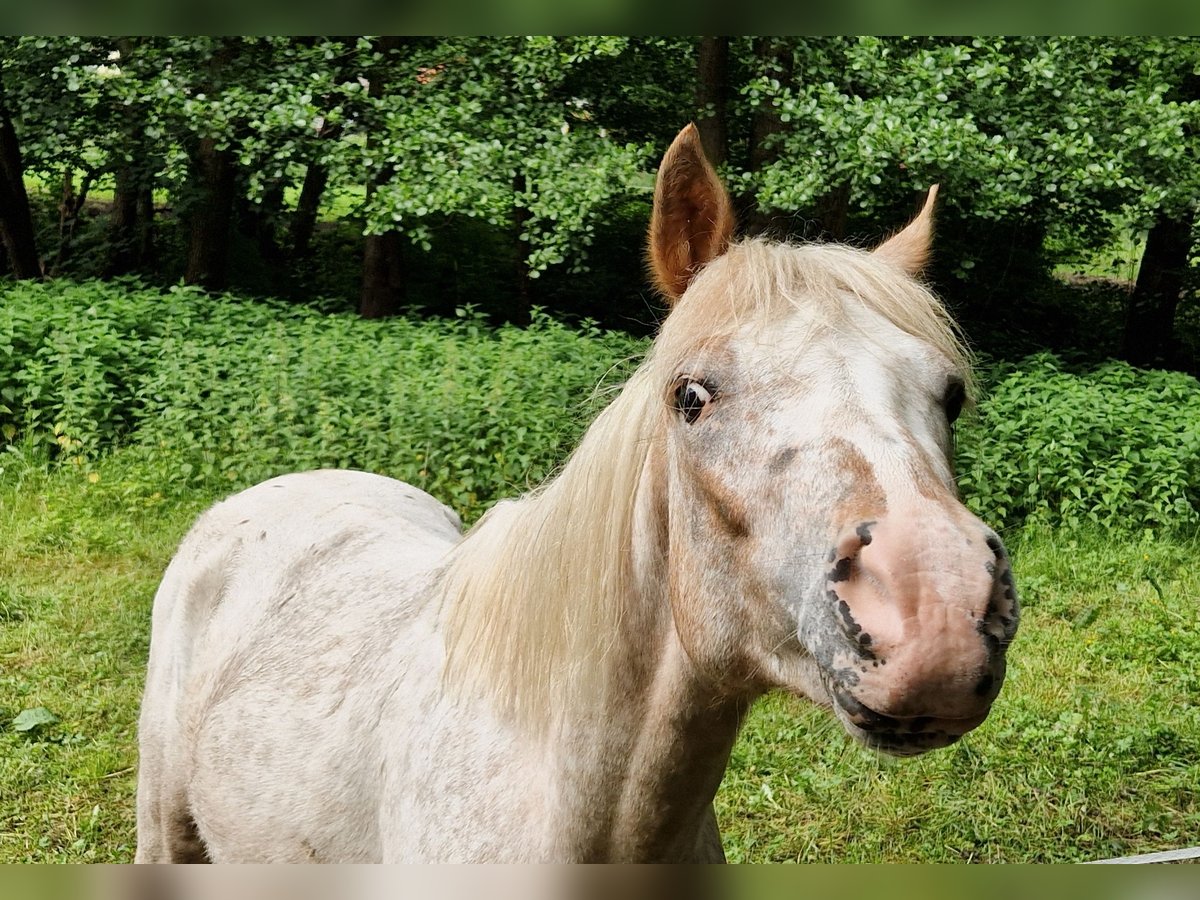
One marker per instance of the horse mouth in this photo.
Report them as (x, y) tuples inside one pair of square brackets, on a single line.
[(898, 736)]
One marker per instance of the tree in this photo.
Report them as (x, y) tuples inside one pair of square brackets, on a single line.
[(383, 288), (1161, 120), (16, 223), (498, 129)]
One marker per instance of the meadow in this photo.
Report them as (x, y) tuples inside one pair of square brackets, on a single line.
[(125, 411)]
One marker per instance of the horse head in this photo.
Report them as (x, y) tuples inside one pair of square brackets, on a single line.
[(816, 540)]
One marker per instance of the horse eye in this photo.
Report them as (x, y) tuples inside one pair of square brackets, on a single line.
[(952, 402), (690, 399)]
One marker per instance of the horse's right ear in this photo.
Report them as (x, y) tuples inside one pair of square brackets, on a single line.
[(909, 248), (692, 220)]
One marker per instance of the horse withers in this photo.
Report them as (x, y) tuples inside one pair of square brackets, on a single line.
[(336, 674)]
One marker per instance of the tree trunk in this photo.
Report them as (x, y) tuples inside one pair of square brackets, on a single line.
[(308, 206), (773, 57), (712, 91), (304, 220), (16, 223), (833, 213), (211, 203), (383, 289), (260, 219), (1162, 278), (131, 226), (69, 211), (211, 216)]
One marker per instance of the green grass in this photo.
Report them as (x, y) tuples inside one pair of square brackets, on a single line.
[(80, 563), (1093, 749)]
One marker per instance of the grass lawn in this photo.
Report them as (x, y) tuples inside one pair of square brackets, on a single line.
[(1093, 749)]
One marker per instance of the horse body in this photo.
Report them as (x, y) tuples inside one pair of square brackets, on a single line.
[(285, 730), (336, 675)]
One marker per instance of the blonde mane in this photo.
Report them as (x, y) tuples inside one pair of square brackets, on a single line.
[(535, 595)]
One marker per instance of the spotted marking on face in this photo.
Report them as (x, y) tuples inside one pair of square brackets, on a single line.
[(842, 570), (981, 628), (862, 640), (864, 532), (864, 495), (1010, 588)]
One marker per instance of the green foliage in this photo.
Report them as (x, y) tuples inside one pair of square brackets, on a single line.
[(537, 139), (31, 721), (216, 393), (225, 393), (1113, 446)]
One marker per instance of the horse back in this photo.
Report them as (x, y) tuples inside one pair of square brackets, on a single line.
[(275, 616)]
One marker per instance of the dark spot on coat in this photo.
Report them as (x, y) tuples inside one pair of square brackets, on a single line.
[(782, 459), (851, 627), (864, 532), (864, 646), (843, 678), (993, 642)]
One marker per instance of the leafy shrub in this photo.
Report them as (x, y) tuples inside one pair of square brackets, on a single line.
[(224, 393), (1114, 446), (216, 393), (69, 357)]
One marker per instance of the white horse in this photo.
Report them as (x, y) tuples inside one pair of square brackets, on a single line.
[(337, 675)]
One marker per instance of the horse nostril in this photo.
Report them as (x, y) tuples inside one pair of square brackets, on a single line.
[(844, 555)]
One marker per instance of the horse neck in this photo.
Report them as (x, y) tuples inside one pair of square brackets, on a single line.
[(646, 767), (579, 651)]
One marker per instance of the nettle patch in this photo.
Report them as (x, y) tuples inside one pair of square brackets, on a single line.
[(215, 393), (1114, 446)]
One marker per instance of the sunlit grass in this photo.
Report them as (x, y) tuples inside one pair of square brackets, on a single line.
[(1093, 749), (80, 566)]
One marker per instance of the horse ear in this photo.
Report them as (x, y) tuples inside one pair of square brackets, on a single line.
[(909, 248), (692, 220)]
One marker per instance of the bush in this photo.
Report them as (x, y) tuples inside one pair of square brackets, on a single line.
[(1115, 446), (225, 393), (214, 393)]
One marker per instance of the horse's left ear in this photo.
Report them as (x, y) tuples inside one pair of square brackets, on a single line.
[(692, 220), (909, 248)]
